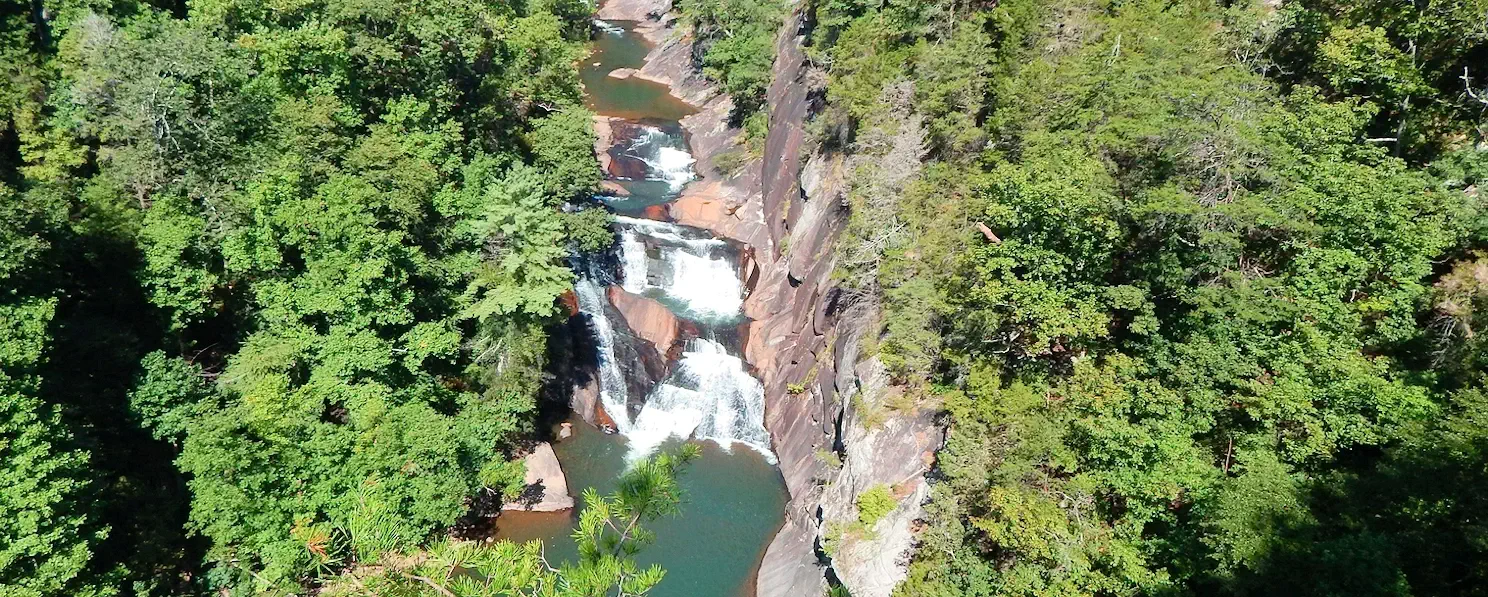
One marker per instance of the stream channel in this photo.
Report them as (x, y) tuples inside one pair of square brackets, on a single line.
[(735, 495)]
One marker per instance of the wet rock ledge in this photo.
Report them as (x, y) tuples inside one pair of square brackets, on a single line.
[(786, 210)]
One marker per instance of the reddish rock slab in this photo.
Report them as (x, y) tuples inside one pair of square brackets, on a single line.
[(613, 188), (650, 320), (603, 140), (634, 10), (656, 212), (570, 302)]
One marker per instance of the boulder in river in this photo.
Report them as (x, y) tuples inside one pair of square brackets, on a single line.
[(546, 488), (650, 320)]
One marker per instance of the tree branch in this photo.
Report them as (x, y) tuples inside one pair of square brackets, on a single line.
[(436, 586)]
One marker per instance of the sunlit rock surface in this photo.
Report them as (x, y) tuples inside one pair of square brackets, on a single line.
[(546, 488)]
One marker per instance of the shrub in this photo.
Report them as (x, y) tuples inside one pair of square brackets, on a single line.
[(875, 504)]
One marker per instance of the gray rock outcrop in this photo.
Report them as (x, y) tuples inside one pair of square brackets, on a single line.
[(546, 487)]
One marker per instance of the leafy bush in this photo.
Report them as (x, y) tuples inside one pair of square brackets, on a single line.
[(738, 41), (874, 504)]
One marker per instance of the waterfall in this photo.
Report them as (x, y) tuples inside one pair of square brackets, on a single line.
[(709, 396), (608, 27), (692, 272), (664, 157), (633, 261), (612, 392)]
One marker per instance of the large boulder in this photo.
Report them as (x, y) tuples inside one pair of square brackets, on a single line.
[(648, 319), (546, 488), (634, 10)]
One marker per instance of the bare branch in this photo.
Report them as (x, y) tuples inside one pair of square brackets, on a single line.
[(1467, 84)]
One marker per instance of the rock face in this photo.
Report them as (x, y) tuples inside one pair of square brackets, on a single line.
[(643, 362), (603, 141), (574, 368), (649, 320), (786, 210), (641, 353), (634, 10), (883, 447), (546, 487)]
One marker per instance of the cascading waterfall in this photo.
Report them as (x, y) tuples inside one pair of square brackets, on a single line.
[(696, 273), (609, 27), (689, 388), (612, 392), (710, 393), (710, 396), (663, 157), (634, 262)]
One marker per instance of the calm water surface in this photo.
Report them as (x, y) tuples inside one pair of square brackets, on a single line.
[(735, 503), (632, 98)]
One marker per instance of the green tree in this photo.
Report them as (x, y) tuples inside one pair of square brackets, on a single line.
[(610, 532), (738, 41), (49, 533)]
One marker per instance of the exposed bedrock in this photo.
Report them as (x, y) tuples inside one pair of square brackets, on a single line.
[(650, 321), (882, 447), (545, 488), (634, 10), (786, 210), (603, 140), (573, 364), (641, 352), (643, 363)]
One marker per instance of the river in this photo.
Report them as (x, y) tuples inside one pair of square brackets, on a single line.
[(735, 495)]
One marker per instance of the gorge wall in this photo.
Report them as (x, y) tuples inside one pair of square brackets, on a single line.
[(786, 209)]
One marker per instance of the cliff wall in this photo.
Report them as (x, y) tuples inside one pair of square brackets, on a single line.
[(786, 208)]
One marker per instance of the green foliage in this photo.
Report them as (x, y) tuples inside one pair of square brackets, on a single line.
[(829, 458), (609, 534), (730, 162), (47, 533), (589, 229), (311, 249), (176, 261), (48, 538), (1169, 292), (563, 144), (504, 477), (737, 38), (870, 416), (169, 395), (524, 272), (874, 504), (1407, 60)]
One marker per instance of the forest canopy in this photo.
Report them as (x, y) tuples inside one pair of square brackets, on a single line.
[(276, 279), (1198, 287), (1196, 283)]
